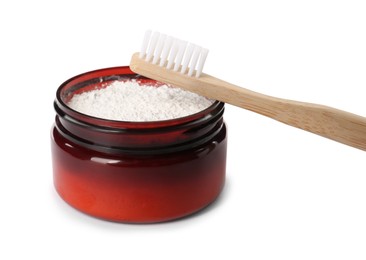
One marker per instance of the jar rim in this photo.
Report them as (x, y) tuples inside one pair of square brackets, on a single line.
[(110, 123)]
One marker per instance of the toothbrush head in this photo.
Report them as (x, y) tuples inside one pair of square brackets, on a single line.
[(173, 54)]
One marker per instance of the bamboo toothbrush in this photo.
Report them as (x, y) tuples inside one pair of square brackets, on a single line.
[(176, 62)]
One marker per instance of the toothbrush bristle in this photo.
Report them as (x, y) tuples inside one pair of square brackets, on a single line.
[(145, 43), (152, 45), (174, 54), (193, 63), (182, 47), (166, 49), (187, 58), (159, 48)]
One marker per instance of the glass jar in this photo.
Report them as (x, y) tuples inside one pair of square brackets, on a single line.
[(139, 172)]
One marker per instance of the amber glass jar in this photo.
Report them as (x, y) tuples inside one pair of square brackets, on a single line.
[(138, 172)]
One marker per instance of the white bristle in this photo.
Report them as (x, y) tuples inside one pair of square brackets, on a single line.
[(187, 58), (166, 49), (159, 48), (173, 53), (145, 43), (195, 56), (153, 41), (182, 49), (201, 62)]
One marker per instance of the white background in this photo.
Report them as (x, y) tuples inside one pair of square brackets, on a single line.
[(289, 194)]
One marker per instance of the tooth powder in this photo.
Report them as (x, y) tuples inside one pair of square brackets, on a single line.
[(128, 101)]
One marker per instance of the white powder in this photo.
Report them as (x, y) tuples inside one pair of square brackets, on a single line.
[(129, 101)]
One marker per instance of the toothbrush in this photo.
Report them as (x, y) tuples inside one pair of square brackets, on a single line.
[(173, 61)]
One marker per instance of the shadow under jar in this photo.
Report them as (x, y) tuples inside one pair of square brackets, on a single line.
[(137, 172)]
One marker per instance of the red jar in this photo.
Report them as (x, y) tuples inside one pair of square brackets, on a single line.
[(138, 172)]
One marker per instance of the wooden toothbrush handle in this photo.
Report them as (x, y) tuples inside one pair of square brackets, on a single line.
[(341, 126), (335, 124)]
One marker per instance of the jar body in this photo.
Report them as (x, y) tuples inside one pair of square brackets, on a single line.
[(139, 189), (139, 186)]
